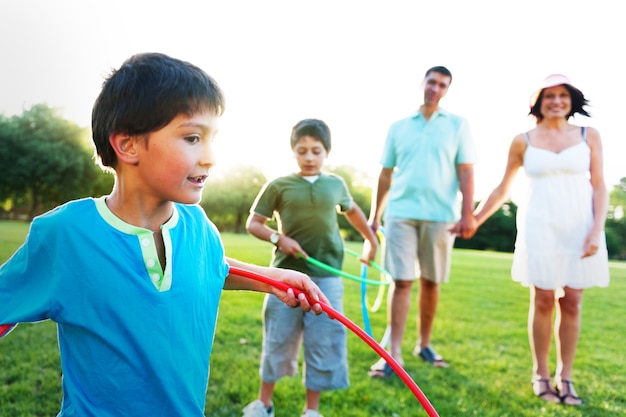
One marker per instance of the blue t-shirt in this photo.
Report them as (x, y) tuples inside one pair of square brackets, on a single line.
[(134, 340), (425, 155)]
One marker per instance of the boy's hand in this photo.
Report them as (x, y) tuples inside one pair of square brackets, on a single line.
[(369, 252), (289, 246), (303, 283)]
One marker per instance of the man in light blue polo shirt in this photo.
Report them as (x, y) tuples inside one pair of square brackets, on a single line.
[(427, 165)]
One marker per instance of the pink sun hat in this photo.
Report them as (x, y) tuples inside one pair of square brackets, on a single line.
[(550, 81)]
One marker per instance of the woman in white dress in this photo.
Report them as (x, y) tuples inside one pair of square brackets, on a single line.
[(560, 248)]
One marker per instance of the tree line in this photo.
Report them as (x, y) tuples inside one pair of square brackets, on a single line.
[(46, 160)]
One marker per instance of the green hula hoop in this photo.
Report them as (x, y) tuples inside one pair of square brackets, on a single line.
[(343, 274)]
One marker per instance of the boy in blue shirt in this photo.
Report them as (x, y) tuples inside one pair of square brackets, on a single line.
[(133, 279), (306, 205)]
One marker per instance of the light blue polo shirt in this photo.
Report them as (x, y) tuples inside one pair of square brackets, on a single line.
[(425, 154)]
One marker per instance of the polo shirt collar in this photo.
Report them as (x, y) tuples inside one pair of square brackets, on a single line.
[(440, 112)]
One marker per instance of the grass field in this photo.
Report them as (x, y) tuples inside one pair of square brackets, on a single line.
[(480, 329)]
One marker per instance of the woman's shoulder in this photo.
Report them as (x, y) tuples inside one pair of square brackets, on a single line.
[(593, 137), (592, 132), (520, 140)]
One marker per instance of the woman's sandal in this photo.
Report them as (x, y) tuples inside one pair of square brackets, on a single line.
[(568, 394), (544, 390)]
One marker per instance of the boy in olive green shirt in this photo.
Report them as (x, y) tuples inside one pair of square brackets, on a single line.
[(306, 206)]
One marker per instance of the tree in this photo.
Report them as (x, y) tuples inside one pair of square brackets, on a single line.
[(617, 200), (228, 198), (45, 161), (616, 221)]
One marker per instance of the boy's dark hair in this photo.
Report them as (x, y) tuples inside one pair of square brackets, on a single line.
[(578, 103), (146, 93), (441, 70), (311, 127)]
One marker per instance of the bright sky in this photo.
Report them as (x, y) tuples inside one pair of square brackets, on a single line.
[(357, 64)]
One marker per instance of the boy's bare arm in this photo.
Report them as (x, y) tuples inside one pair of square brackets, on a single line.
[(290, 277), (357, 219)]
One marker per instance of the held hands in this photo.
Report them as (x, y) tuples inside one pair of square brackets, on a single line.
[(466, 227), (302, 282)]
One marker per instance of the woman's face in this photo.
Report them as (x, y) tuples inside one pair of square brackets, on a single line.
[(556, 102)]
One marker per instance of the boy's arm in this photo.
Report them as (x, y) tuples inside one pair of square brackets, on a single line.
[(357, 219), (292, 278), (255, 225)]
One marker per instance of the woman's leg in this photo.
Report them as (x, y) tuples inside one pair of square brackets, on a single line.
[(540, 314), (566, 333)]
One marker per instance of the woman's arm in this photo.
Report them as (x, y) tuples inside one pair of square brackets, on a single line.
[(600, 194), (500, 194)]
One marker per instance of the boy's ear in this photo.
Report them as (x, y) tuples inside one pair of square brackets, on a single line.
[(125, 147)]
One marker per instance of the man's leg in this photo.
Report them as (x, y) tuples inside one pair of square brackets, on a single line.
[(435, 250), (400, 256), (399, 303), (428, 299)]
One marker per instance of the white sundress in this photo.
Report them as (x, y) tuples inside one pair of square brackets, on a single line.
[(554, 220)]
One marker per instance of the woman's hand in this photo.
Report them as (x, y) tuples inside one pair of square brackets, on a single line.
[(590, 247)]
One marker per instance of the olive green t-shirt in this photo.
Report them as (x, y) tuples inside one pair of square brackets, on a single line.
[(307, 213)]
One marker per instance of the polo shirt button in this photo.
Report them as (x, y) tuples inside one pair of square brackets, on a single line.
[(145, 242), (155, 277), (150, 263)]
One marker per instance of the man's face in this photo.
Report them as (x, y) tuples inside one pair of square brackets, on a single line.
[(435, 87)]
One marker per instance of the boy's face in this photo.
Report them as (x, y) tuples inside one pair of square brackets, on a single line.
[(174, 161), (310, 154)]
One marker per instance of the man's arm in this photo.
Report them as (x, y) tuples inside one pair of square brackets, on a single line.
[(467, 225), (379, 198)]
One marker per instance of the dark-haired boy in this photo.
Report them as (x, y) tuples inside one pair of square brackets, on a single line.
[(306, 205), (133, 279)]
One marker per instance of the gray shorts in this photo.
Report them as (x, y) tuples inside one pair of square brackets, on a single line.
[(416, 248), (325, 351)]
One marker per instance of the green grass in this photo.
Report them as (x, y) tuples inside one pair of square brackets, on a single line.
[(480, 328)]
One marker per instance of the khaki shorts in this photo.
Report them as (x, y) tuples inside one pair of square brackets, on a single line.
[(418, 249)]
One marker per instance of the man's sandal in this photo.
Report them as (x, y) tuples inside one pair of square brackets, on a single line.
[(569, 394), (381, 369), (429, 355), (544, 390)]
